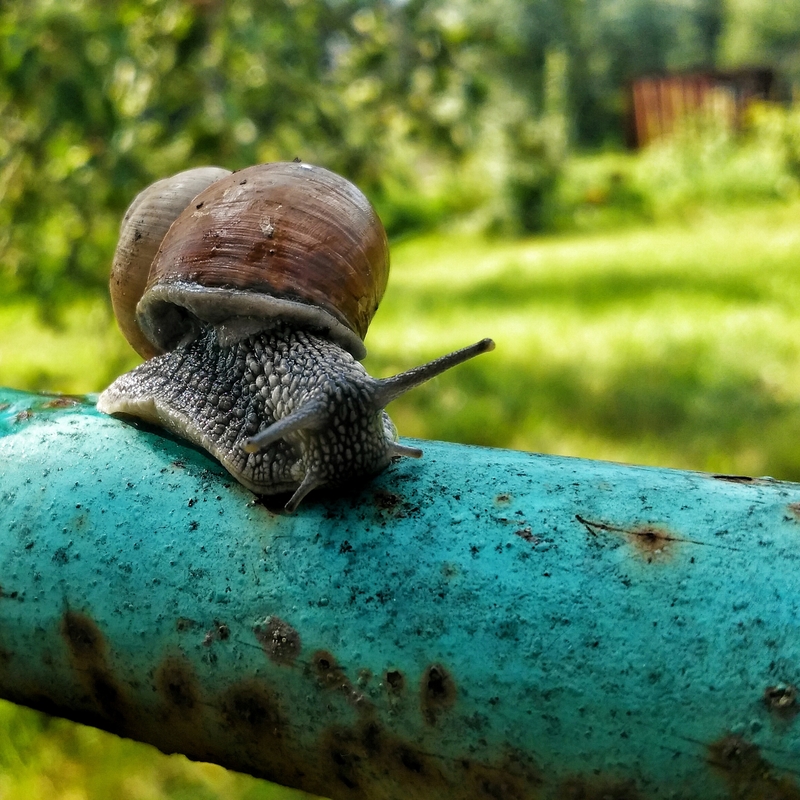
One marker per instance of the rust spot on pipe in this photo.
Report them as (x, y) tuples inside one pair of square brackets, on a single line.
[(250, 709), (748, 774), (177, 685), (256, 734), (653, 542), (386, 501), (83, 638), (366, 759), (438, 692), (393, 504), (62, 401), (331, 676), (328, 672), (345, 755), (395, 682), (87, 650), (526, 534), (246, 727), (281, 642)]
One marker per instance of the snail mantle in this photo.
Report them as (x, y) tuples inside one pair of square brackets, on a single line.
[(480, 624)]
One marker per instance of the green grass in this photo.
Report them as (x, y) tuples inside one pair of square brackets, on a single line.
[(79, 352), (43, 758), (676, 344)]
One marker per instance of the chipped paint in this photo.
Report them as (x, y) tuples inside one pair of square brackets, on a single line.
[(480, 624)]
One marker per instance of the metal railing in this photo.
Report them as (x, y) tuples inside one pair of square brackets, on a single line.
[(478, 624)]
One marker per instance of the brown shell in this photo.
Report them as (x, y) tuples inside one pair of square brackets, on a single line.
[(142, 230), (281, 240)]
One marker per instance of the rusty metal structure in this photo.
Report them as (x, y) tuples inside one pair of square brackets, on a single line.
[(660, 104), (478, 624)]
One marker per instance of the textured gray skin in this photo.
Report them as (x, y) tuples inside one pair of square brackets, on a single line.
[(219, 396)]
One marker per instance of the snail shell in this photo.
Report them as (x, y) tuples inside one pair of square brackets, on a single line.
[(252, 314), (283, 241)]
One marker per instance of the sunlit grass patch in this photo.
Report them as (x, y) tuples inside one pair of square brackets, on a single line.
[(44, 758), (79, 352), (675, 345)]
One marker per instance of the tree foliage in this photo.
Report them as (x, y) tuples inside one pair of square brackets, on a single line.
[(434, 107)]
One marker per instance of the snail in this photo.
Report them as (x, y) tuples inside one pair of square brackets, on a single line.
[(249, 295)]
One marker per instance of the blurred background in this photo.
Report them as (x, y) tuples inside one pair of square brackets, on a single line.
[(609, 188)]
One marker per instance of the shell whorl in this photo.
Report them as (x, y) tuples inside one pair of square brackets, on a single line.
[(143, 228)]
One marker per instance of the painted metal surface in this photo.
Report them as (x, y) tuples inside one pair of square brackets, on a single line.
[(477, 624)]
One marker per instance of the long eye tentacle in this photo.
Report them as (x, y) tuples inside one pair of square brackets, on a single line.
[(389, 389)]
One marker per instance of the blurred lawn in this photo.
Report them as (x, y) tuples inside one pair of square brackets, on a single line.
[(43, 758), (676, 344)]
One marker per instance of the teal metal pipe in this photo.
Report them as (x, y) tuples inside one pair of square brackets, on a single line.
[(477, 624)]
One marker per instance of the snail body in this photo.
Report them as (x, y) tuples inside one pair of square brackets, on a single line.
[(252, 315)]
